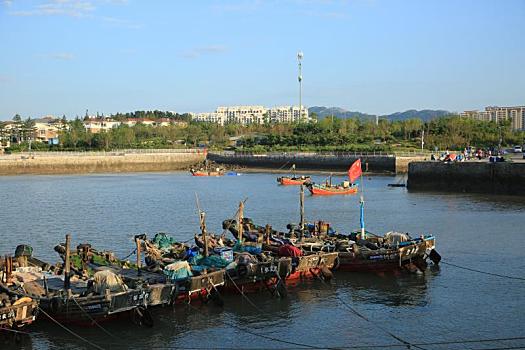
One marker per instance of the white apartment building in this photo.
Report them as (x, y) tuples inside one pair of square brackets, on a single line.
[(494, 113), (288, 114), (252, 115), (210, 117)]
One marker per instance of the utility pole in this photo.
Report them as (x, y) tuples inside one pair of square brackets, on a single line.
[(422, 139), (300, 78)]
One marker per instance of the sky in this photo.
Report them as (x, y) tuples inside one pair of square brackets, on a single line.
[(65, 56)]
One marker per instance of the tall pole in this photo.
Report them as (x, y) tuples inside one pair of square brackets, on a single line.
[(422, 139), (301, 200), (203, 231), (300, 78), (239, 220), (67, 276)]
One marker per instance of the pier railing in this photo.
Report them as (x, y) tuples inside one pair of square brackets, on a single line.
[(237, 154), (117, 152)]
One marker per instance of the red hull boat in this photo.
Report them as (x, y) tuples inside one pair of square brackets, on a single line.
[(286, 180), (324, 190)]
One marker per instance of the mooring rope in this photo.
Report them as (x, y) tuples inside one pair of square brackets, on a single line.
[(69, 330), (93, 320), (483, 272), (360, 315), (244, 295), (262, 335)]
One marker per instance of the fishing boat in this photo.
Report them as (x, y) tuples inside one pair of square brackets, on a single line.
[(166, 279), (206, 173), (346, 187), (278, 245), (293, 179), (329, 189), (65, 297), (364, 251)]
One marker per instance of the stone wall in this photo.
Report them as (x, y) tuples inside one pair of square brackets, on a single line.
[(65, 164), (382, 163), (469, 177)]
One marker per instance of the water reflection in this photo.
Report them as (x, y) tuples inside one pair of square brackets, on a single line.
[(389, 289)]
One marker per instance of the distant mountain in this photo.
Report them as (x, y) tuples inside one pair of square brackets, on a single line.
[(425, 114), (337, 112)]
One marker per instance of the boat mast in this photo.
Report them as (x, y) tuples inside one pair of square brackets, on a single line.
[(203, 231), (67, 276), (239, 220), (362, 207), (137, 243), (301, 201)]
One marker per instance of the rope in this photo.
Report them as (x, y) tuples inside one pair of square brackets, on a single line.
[(262, 335), (93, 320), (69, 330), (360, 315), (130, 254), (244, 295), (284, 165), (383, 346), (483, 272)]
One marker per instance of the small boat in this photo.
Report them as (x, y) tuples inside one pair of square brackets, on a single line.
[(329, 189), (346, 187), (206, 173), (293, 179)]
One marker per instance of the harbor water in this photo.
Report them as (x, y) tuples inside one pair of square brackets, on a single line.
[(446, 307)]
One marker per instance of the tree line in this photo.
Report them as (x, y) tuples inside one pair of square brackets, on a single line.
[(328, 134)]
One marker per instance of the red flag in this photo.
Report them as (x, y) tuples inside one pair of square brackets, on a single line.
[(355, 170)]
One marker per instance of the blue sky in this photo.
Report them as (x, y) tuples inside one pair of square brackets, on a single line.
[(66, 56)]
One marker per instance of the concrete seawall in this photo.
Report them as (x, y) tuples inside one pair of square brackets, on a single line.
[(70, 164), (469, 177), (327, 162)]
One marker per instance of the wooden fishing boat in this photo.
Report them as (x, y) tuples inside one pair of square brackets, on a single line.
[(291, 180), (206, 173), (66, 298), (329, 189), (276, 244), (161, 289), (392, 251)]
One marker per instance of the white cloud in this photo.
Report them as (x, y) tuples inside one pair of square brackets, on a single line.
[(72, 8), (204, 50), (7, 3), (61, 56)]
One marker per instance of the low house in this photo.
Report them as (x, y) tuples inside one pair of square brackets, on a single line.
[(47, 129), (97, 124)]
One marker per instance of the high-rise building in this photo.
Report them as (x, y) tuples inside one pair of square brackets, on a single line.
[(253, 115), (494, 113)]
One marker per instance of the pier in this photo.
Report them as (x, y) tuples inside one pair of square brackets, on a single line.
[(468, 177), (333, 161), (99, 162)]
